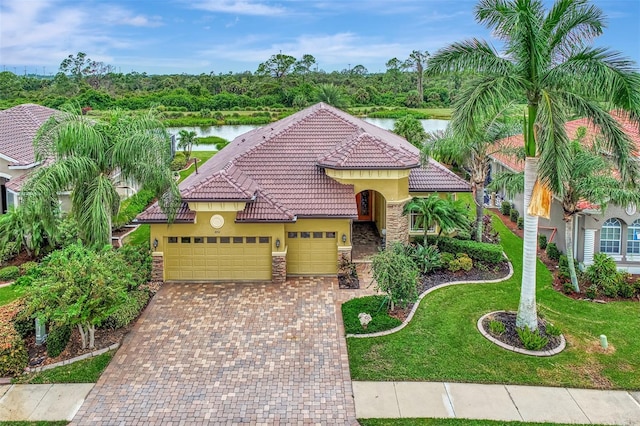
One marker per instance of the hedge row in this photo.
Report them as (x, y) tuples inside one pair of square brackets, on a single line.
[(484, 252), (13, 353)]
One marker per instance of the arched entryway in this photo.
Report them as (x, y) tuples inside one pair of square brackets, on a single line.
[(368, 230)]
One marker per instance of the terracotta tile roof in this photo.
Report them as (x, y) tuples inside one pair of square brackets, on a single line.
[(434, 177), (279, 165), (365, 151), (15, 184), (571, 127), (155, 214), (18, 127)]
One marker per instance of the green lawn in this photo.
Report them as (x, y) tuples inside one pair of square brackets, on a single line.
[(85, 371), (9, 294), (450, 422), (442, 343), (140, 236), (203, 156)]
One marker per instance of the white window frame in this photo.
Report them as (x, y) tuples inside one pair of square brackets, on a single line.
[(633, 240), (610, 226), (414, 229)]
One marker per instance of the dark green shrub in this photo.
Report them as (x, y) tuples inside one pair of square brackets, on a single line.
[(68, 232), (591, 292), (179, 162), (552, 252), (505, 208), (139, 260), (532, 340), (567, 287), (396, 274), (463, 235), (446, 258), (603, 274), (57, 339), (132, 207), (520, 222), (542, 241), (484, 252), (9, 251), (26, 267), (514, 215), (24, 324), (497, 327), (427, 258), (626, 288), (9, 273), (128, 311)]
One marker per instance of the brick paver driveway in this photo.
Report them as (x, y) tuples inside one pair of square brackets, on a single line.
[(230, 353)]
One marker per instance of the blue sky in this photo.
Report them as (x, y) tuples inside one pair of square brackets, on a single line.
[(202, 36)]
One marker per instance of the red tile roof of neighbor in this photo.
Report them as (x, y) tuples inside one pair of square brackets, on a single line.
[(279, 169), (517, 141), (18, 127)]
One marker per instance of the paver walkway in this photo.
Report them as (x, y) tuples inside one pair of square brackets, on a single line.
[(495, 402), (230, 353)]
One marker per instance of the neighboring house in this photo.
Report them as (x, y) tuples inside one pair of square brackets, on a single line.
[(18, 127), (280, 200), (616, 232)]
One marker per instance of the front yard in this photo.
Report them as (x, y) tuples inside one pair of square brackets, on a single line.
[(442, 342)]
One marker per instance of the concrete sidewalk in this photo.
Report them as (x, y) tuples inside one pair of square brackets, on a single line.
[(42, 402), (495, 402)]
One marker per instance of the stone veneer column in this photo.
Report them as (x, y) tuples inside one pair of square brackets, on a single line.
[(278, 269), (397, 225), (157, 266), (346, 251)]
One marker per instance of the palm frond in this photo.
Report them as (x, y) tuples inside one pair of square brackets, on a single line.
[(476, 55), (513, 183), (571, 24)]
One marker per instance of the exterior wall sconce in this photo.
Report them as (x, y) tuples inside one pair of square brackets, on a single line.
[(344, 238), (277, 242), (155, 243)]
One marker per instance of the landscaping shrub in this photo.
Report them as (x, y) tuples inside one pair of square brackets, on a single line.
[(446, 258), (520, 222), (24, 324), (542, 241), (465, 261), (57, 339), (514, 215), (552, 252), (9, 251), (26, 267), (128, 311), (68, 232), (427, 258), (139, 260), (454, 265), (396, 274), (9, 273), (552, 330), (13, 353), (484, 252), (132, 207), (497, 327), (532, 340), (505, 208), (179, 162), (605, 279)]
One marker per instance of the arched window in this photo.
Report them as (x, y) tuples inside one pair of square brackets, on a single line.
[(610, 236), (633, 238)]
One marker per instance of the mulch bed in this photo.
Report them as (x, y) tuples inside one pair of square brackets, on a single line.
[(510, 336)]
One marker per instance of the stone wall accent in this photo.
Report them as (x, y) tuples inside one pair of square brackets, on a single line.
[(157, 267), (278, 269), (344, 251), (397, 225)]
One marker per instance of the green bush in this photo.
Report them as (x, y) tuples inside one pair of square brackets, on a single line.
[(465, 262), (57, 339), (138, 258), (484, 252), (552, 330), (26, 267), (396, 274), (454, 265), (446, 258), (552, 252), (426, 258), (24, 324), (9, 251), (13, 352), (128, 311), (514, 215), (179, 162), (520, 222), (9, 273), (497, 327), (542, 241), (505, 208), (68, 232), (532, 340), (604, 276), (132, 207)]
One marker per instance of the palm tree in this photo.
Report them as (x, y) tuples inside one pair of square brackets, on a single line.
[(472, 153), (187, 139), (547, 61), (332, 95), (411, 129), (448, 214), (591, 179), (86, 155)]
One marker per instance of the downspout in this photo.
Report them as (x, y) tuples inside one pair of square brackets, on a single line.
[(575, 233)]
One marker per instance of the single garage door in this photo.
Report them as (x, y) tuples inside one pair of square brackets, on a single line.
[(218, 258), (312, 253)]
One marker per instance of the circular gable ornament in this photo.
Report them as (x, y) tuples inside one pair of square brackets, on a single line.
[(631, 209), (217, 221)]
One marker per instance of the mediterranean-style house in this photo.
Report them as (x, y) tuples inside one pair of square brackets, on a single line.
[(18, 127), (616, 231), (281, 200)]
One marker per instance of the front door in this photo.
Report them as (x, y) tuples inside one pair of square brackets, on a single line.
[(363, 200)]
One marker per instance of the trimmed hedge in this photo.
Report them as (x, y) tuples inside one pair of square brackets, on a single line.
[(484, 252), (13, 353), (128, 311), (57, 339), (9, 273)]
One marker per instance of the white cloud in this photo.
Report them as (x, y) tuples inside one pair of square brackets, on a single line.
[(240, 7), (114, 15)]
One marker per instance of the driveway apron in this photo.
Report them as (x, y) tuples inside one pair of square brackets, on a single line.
[(256, 353)]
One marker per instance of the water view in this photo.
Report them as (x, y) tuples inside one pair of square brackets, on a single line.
[(231, 132)]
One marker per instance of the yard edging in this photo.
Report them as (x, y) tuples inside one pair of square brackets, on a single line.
[(563, 342), (72, 360), (415, 305)]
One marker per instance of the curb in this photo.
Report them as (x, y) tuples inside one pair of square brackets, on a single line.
[(415, 305), (72, 360), (555, 351), (121, 237)]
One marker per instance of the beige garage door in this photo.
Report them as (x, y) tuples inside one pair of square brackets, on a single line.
[(218, 258), (312, 253)]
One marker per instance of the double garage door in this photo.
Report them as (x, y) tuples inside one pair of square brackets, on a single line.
[(218, 258), (312, 253)]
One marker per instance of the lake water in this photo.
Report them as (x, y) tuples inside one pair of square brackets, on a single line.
[(231, 132)]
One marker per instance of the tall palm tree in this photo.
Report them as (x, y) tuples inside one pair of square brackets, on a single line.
[(86, 155), (591, 179), (187, 139), (448, 214), (547, 61), (332, 95), (472, 152)]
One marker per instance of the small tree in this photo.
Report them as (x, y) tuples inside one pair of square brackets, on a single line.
[(396, 274), (448, 214), (187, 139), (411, 129)]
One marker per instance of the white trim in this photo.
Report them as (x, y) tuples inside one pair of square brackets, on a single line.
[(4, 157), (6, 176), (28, 166)]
